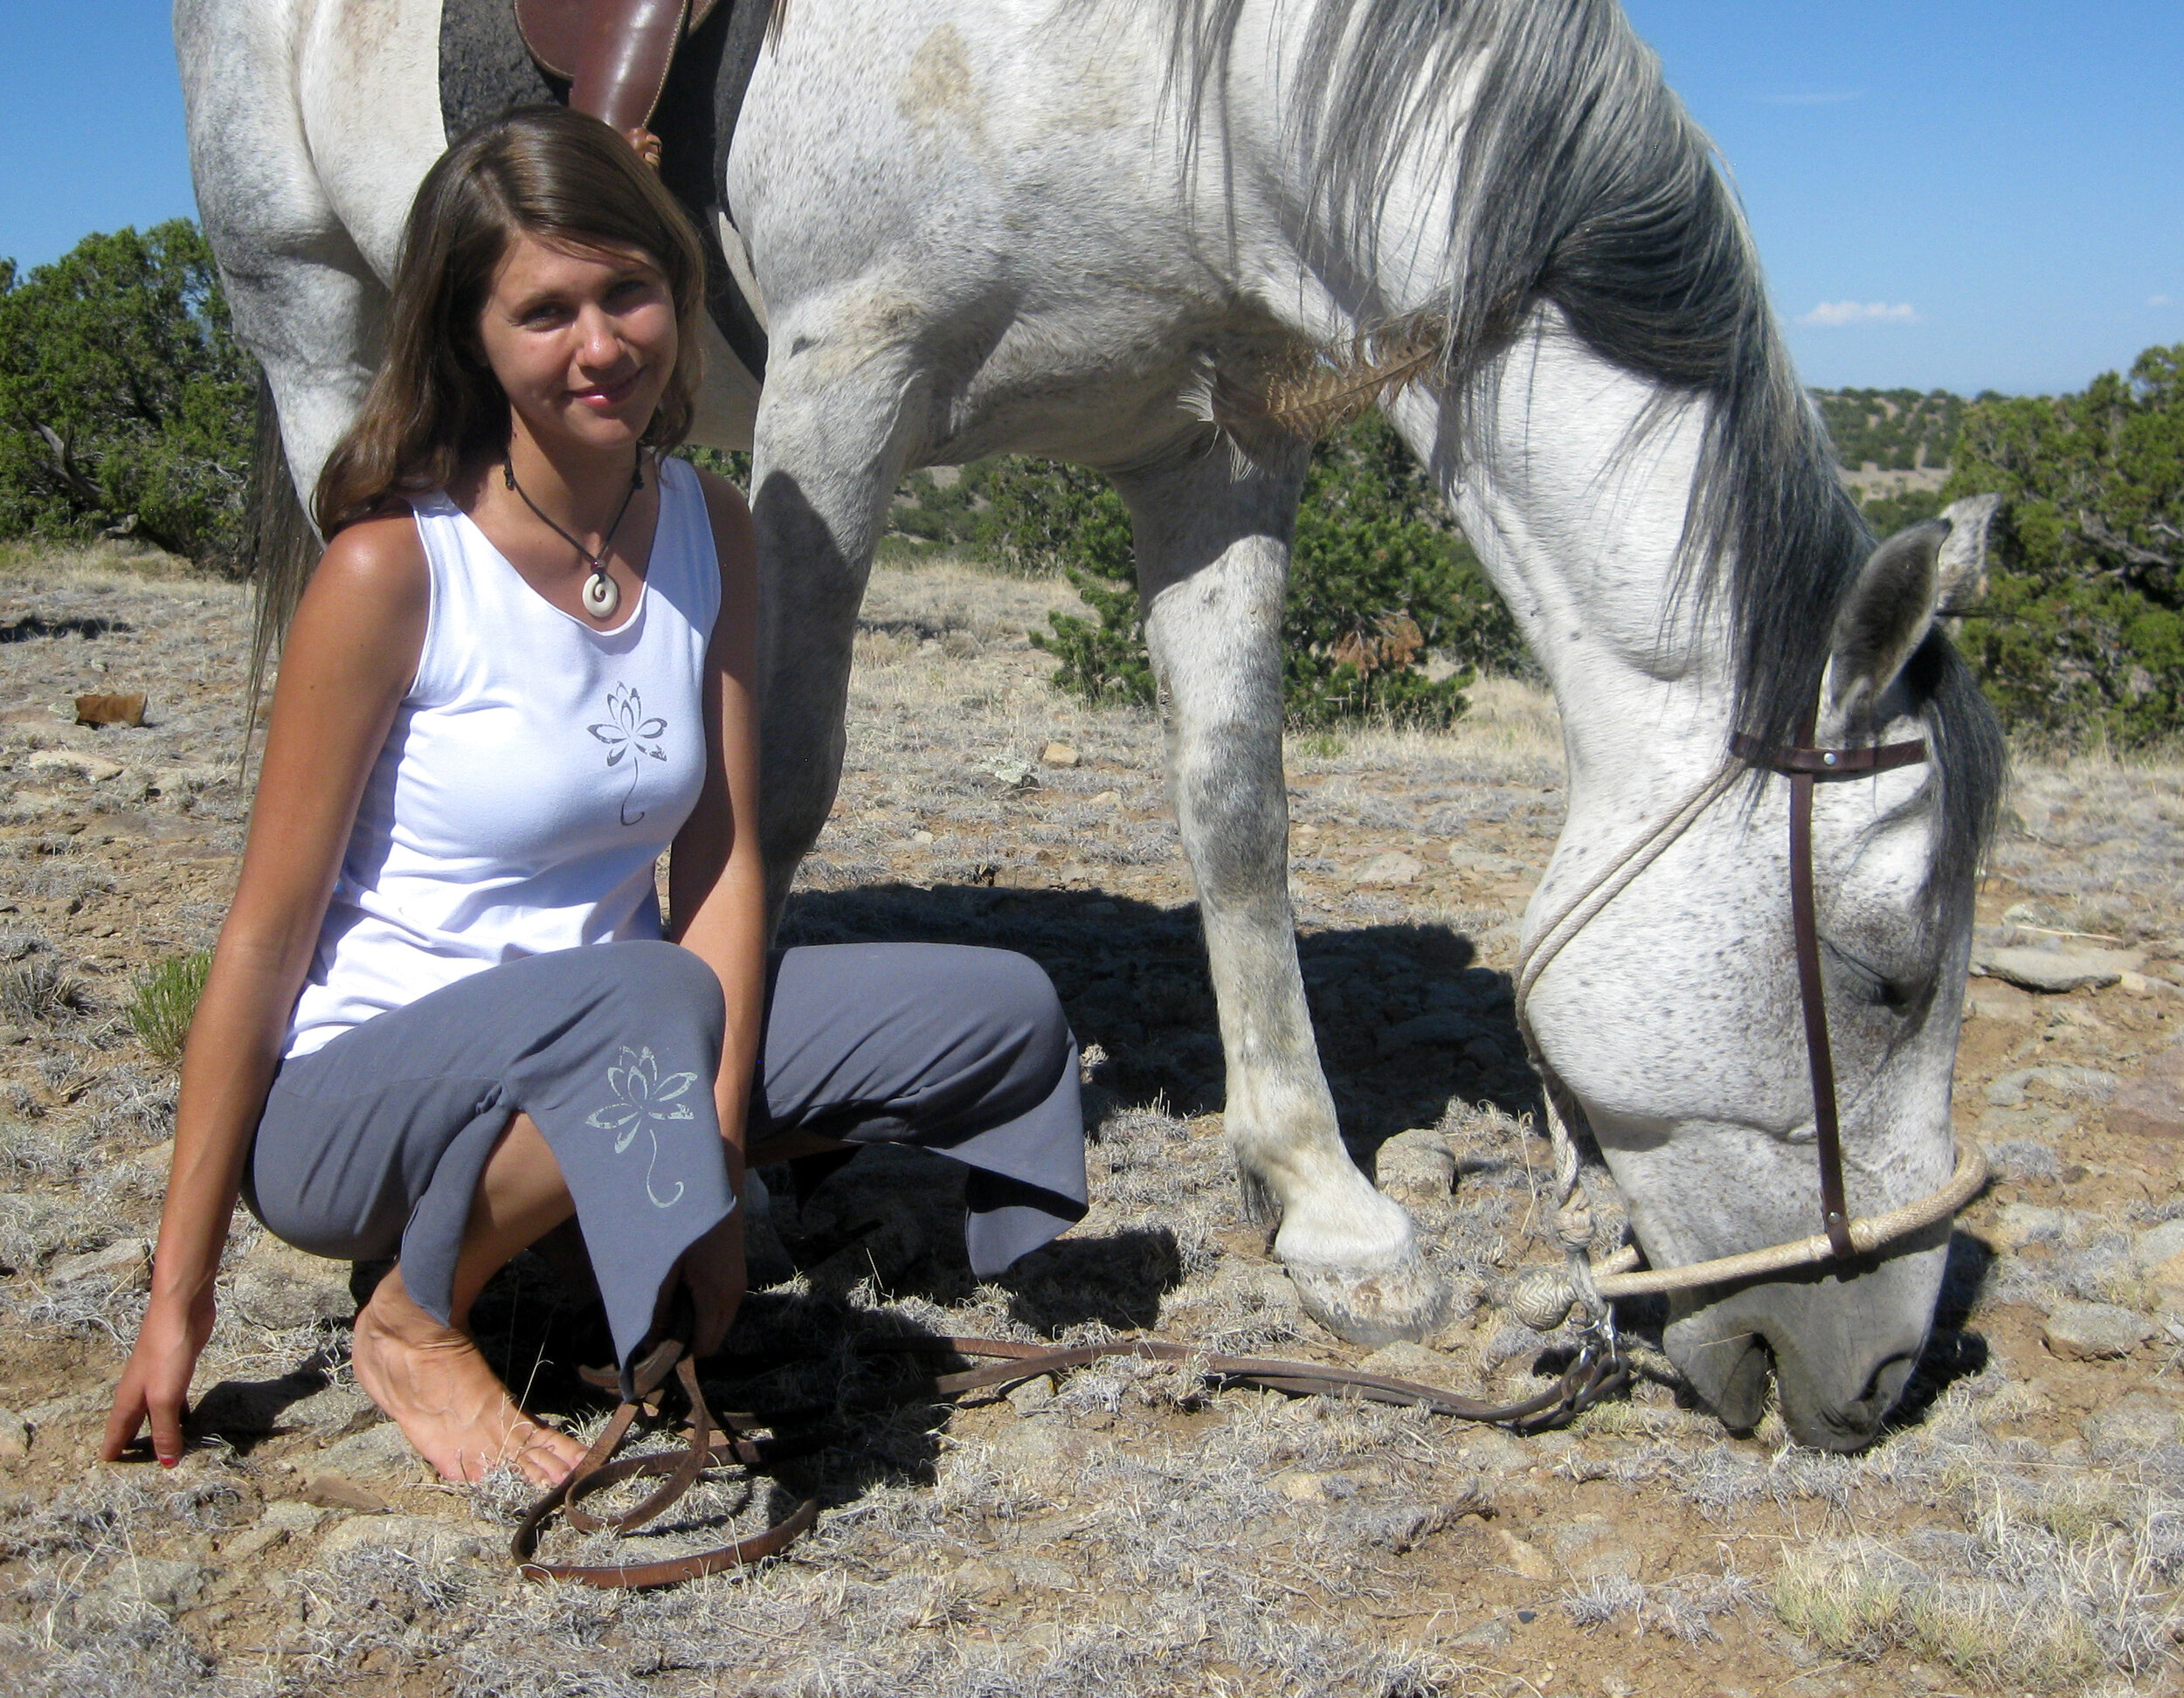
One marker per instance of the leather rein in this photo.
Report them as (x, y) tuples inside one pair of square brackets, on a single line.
[(1592, 1376)]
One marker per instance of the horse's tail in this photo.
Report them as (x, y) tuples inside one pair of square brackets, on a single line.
[(279, 552)]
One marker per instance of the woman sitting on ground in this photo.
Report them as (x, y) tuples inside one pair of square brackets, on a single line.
[(441, 1019)]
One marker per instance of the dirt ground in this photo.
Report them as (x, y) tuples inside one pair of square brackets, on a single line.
[(1128, 1530)]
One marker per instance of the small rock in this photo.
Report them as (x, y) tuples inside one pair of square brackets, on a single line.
[(1059, 755), (2147, 984), (986, 1582), (1404, 1360), (378, 1452), (2007, 1090), (414, 1537), (1108, 800), (2057, 970), (1526, 1559), (14, 1438), (291, 1516), (2168, 1280), (96, 768), (1257, 1289), (1443, 1028), (1493, 865), (1492, 1634), (1041, 1452), (2130, 1428), (1304, 1486), (2017, 1224), (1995, 999), (1392, 868), (1038, 1574), (110, 709), (1032, 1395), (1416, 1167), (920, 838), (1493, 1452), (2159, 1244), (337, 1491), (1483, 1052), (126, 1262), (2095, 1332), (2152, 1107), (1588, 1547), (166, 1585)]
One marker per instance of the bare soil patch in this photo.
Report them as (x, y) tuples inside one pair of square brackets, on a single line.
[(1127, 1530)]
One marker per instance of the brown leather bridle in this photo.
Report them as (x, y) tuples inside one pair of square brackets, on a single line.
[(1806, 766)]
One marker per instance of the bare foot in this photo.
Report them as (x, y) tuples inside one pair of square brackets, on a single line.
[(435, 1385)]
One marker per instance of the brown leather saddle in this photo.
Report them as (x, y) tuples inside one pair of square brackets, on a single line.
[(613, 54)]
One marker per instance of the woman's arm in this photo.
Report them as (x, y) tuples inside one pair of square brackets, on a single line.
[(348, 661), (716, 882)]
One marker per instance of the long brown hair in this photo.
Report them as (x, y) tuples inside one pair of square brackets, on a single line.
[(545, 172)]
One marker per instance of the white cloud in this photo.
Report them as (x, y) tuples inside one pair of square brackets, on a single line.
[(2157, 301), (1819, 97), (1833, 314)]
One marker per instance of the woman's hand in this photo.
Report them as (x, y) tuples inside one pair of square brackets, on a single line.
[(712, 1270), (156, 1384)]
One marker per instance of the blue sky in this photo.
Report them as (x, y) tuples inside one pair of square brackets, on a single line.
[(1946, 193)]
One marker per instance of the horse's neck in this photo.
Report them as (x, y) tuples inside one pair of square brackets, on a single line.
[(1573, 488)]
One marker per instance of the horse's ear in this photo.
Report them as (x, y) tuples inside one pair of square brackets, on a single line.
[(1964, 555), (1883, 620)]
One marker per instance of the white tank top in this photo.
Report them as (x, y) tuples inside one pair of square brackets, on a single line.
[(533, 773)]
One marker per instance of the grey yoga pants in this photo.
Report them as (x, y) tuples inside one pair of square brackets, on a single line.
[(376, 1143)]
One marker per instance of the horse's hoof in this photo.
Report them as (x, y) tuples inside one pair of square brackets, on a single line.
[(1375, 1306)]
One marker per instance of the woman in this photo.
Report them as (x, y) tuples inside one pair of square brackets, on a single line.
[(441, 1019)]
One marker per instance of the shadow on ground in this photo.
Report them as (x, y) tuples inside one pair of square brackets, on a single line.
[(1406, 1018)]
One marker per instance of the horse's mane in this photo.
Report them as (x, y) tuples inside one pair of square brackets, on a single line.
[(1579, 179)]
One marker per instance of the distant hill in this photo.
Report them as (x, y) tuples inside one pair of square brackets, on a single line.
[(1892, 430), (1894, 446)]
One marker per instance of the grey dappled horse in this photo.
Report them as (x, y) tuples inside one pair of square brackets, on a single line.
[(1151, 235)]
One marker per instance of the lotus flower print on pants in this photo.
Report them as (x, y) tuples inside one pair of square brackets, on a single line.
[(642, 1099)]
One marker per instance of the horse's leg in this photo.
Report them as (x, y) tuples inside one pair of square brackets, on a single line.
[(1212, 564), (825, 463), (303, 299)]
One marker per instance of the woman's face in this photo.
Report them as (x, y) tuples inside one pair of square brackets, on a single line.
[(583, 341)]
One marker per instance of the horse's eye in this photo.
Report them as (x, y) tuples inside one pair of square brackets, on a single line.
[(1871, 986)]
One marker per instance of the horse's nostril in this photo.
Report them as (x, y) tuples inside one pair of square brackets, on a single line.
[(1887, 1388)]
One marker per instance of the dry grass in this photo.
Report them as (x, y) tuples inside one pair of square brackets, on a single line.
[(1130, 1530)]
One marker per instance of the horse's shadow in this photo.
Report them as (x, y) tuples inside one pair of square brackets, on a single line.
[(1405, 1019)]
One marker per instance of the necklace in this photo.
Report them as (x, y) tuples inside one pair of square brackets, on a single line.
[(602, 596)]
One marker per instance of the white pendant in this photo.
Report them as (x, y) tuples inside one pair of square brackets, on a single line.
[(602, 596)]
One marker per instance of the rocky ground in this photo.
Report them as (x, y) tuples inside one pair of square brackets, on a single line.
[(1127, 1529)]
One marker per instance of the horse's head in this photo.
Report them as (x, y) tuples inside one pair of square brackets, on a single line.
[(1674, 1016)]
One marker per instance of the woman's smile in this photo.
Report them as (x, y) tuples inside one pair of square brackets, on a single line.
[(606, 397)]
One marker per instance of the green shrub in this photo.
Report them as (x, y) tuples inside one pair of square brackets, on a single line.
[(1889, 513), (126, 406), (166, 1002), (2082, 630), (1380, 581)]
